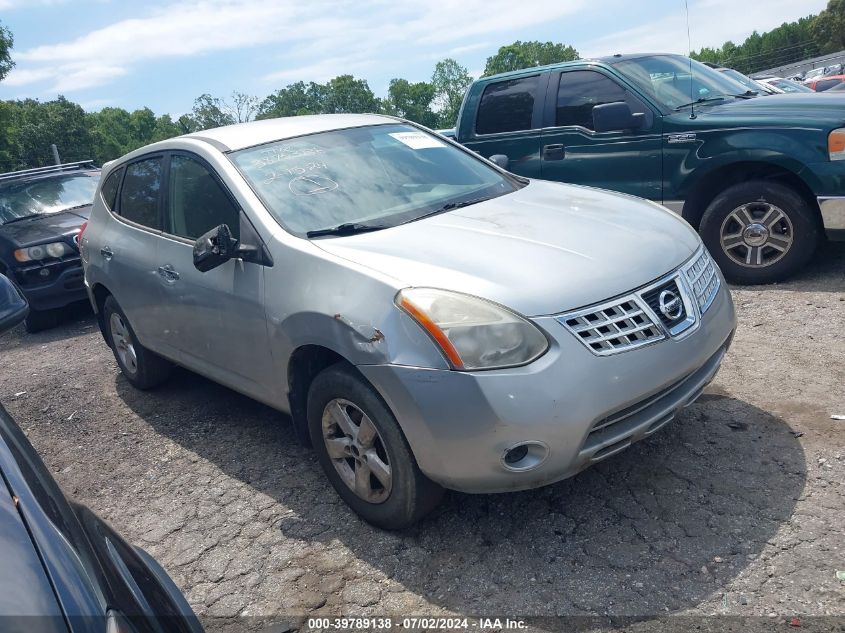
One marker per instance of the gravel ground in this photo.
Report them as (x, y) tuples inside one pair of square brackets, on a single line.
[(736, 509)]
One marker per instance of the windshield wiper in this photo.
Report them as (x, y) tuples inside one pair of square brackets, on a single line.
[(77, 206), (348, 228), (23, 217), (748, 94), (449, 206), (702, 100)]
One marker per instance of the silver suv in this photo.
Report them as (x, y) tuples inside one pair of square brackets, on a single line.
[(427, 319)]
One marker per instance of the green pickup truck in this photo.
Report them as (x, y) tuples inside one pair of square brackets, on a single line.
[(762, 178)]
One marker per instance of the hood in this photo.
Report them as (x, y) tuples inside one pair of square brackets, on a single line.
[(44, 228), (800, 109), (546, 248)]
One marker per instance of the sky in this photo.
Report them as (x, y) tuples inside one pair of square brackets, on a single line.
[(164, 53)]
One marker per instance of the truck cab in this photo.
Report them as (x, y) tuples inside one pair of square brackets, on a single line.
[(760, 177)]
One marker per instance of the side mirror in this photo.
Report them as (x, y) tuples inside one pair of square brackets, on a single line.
[(214, 248), (500, 160), (617, 116), (13, 305)]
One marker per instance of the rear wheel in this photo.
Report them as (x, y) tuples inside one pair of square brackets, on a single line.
[(141, 367), (363, 452), (760, 232)]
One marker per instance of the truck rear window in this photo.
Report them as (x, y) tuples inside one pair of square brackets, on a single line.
[(507, 106)]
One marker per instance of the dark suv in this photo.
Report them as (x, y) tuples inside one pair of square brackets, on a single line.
[(41, 214)]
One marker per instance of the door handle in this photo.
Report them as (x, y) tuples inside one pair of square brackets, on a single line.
[(106, 252), (167, 273), (556, 151)]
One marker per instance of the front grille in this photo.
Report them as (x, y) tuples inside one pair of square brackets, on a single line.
[(614, 327), (653, 299), (703, 280)]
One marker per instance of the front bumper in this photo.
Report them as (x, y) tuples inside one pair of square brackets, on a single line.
[(62, 285), (460, 424), (833, 214)]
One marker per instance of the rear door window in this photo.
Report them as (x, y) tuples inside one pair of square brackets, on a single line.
[(139, 196), (507, 106)]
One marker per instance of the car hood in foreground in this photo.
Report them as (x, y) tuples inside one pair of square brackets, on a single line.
[(546, 248), (50, 226)]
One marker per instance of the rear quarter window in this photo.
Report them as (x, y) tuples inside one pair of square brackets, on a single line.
[(109, 188), (140, 194)]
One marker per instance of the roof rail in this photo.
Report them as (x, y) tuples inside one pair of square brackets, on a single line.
[(38, 171)]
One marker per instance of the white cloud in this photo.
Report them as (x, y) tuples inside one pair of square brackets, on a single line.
[(318, 33)]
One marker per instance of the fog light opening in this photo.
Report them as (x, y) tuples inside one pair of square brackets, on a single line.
[(525, 456)]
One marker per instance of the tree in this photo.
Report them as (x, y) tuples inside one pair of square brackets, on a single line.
[(450, 81), (411, 101), (344, 93), (521, 55), (33, 126), (209, 112), (6, 42), (828, 28), (242, 107), (111, 129), (142, 125), (165, 128), (293, 100)]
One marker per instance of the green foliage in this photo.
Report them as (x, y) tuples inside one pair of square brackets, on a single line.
[(411, 101), (347, 94), (6, 42), (828, 29), (450, 81), (33, 126), (342, 94), (209, 112), (788, 43), (521, 55)]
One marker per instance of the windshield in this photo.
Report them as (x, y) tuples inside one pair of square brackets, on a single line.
[(748, 82), (667, 79), (46, 195), (789, 86), (379, 175)]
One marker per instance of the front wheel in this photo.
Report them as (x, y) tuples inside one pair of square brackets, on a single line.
[(363, 452), (760, 232)]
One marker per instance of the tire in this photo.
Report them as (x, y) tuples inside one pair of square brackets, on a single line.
[(760, 232), (409, 495), (141, 367), (38, 320)]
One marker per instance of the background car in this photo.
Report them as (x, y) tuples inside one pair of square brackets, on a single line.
[(751, 84), (787, 86), (63, 568), (822, 84), (41, 213)]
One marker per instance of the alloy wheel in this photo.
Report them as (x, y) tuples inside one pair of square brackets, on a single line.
[(756, 234), (122, 340), (357, 451)]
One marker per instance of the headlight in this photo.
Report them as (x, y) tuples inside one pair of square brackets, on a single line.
[(473, 333), (836, 144), (42, 251)]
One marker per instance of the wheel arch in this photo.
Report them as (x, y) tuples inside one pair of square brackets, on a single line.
[(304, 364), (705, 189)]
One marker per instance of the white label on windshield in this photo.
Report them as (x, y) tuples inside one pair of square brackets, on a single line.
[(417, 140)]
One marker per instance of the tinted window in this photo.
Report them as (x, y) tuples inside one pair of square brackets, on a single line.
[(196, 201), (109, 190), (507, 106), (582, 90), (139, 195)]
